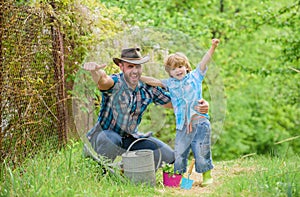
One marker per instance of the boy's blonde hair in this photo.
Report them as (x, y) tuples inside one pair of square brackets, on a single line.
[(175, 60)]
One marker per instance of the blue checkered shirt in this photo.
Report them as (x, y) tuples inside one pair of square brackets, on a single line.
[(185, 94), (122, 107)]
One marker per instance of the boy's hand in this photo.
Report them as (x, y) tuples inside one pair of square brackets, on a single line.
[(202, 107), (93, 66), (215, 42)]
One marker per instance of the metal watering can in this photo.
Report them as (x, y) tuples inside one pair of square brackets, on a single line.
[(139, 165)]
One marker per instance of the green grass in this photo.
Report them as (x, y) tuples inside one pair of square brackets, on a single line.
[(67, 173), (262, 176)]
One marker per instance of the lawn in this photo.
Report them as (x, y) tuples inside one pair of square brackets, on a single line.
[(68, 173)]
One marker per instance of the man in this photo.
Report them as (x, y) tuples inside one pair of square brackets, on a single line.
[(124, 100)]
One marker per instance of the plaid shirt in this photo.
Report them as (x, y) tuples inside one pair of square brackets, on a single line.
[(185, 94), (122, 107)]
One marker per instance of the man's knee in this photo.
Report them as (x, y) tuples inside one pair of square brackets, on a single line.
[(108, 143), (110, 137)]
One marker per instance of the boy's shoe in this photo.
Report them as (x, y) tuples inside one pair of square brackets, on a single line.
[(197, 183), (207, 179)]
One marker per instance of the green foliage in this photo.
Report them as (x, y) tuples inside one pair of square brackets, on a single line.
[(262, 97), (85, 25), (168, 168), (67, 173), (270, 177), (259, 46)]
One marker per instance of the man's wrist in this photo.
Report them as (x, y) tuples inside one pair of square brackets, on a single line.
[(96, 75)]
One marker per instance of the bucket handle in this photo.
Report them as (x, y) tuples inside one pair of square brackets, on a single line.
[(140, 139)]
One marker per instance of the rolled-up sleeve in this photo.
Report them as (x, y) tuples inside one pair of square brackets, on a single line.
[(160, 96)]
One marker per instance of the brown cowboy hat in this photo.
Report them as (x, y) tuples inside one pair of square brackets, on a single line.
[(131, 55)]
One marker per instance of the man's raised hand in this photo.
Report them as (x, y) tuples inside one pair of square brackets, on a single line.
[(93, 66)]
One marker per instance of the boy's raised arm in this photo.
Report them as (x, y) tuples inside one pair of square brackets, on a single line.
[(207, 57), (99, 76)]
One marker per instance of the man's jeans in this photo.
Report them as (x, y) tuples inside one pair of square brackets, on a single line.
[(199, 141), (110, 144)]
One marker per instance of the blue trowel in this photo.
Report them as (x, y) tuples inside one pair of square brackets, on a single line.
[(187, 183)]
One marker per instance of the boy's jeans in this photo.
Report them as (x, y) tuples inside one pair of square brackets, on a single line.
[(199, 141)]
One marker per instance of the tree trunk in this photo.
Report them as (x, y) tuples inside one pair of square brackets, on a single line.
[(221, 6), (58, 56), (1, 76)]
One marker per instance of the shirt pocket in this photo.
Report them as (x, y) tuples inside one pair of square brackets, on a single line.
[(176, 90), (124, 103), (190, 91)]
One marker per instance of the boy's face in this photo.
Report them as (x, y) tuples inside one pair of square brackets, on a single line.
[(132, 73), (178, 72)]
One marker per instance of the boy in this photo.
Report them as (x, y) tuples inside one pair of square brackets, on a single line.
[(193, 129)]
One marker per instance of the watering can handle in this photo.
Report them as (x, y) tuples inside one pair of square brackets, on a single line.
[(140, 139)]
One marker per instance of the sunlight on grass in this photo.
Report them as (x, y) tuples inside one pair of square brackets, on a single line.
[(67, 173), (268, 176)]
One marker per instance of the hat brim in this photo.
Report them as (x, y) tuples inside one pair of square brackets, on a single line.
[(139, 61)]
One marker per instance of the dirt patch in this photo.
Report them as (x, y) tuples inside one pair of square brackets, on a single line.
[(221, 173)]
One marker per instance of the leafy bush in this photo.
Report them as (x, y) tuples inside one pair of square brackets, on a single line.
[(255, 57)]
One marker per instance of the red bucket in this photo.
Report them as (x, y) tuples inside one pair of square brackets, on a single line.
[(171, 180)]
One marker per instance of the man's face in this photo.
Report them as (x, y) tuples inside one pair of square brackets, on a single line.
[(132, 73)]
